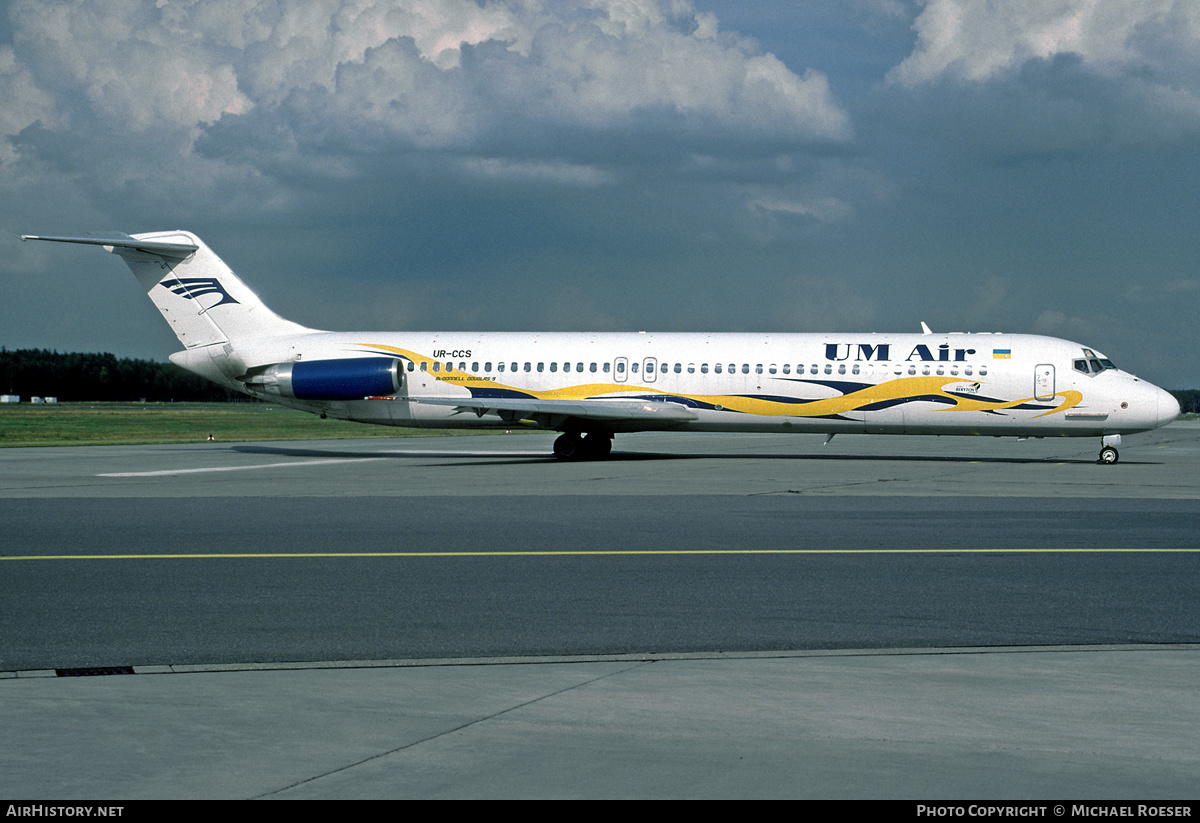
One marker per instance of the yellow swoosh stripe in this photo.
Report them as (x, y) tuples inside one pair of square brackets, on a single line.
[(900, 389)]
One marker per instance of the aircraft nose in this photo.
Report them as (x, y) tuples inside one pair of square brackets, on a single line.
[(1168, 407)]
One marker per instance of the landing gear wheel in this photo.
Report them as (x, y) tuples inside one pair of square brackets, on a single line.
[(1108, 455), (568, 447), (596, 446), (573, 446)]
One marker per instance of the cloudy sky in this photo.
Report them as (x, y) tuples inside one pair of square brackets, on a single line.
[(1027, 166)]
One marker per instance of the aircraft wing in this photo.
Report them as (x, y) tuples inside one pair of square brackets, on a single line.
[(519, 408)]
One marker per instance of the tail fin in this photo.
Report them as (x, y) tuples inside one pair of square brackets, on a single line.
[(200, 296)]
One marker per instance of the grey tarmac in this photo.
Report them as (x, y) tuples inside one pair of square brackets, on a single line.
[(755, 616)]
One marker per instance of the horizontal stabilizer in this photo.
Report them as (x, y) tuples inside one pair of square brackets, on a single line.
[(124, 241)]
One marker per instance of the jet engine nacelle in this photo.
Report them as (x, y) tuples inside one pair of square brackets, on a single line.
[(351, 379)]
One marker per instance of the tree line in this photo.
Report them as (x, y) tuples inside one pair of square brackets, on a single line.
[(77, 376), (1189, 400)]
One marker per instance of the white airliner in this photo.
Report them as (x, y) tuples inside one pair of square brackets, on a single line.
[(592, 386)]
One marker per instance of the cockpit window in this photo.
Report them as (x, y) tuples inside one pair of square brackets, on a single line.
[(1093, 363)]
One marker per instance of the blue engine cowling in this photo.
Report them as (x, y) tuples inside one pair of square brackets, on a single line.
[(351, 379)]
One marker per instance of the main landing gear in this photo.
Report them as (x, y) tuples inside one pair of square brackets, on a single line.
[(576, 446)]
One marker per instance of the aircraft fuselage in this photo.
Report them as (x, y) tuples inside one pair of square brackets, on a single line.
[(999, 384)]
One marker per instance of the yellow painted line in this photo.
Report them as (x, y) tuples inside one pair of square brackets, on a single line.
[(578, 553)]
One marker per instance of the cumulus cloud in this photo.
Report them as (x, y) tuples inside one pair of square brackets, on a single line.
[(115, 62), (976, 40), (1032, 76), (425, 74)]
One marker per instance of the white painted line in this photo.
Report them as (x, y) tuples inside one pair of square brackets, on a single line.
[(444, 453), (323, 461), (164, 472)]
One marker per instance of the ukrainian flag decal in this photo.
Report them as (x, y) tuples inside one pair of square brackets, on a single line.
[(1001, 354)]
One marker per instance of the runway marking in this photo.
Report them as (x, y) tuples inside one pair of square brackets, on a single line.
[(578, 553), (163, 472), (321, 462)]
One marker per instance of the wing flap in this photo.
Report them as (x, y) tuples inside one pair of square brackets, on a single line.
[(607, 410)]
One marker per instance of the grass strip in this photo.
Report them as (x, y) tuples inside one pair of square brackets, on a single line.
[(113, 424)]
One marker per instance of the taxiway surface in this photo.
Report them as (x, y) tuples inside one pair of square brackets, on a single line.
[(715, 548)]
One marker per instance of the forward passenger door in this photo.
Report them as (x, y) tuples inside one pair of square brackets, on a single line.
[(1043, 382)]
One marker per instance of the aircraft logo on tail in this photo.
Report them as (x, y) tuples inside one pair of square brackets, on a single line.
[(190, 288)]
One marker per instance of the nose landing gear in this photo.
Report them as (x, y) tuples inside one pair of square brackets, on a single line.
[(1108, 448)]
